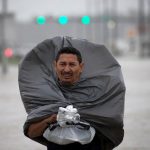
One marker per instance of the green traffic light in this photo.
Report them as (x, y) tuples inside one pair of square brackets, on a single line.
[(85, 20), (41, 20), (63, 20)]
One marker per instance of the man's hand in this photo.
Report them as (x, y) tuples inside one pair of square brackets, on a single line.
[(51, 119), (37, 129)]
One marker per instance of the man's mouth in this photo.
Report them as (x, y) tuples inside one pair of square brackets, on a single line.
[(67, 75)]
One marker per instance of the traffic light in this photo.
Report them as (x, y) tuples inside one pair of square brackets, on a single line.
[(8, 52), (63, 20), (111, 24), (85, 20), (41, 20)]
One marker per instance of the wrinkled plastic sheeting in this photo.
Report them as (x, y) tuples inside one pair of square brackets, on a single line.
[(99, 95)]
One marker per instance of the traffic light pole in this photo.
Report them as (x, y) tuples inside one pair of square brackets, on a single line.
[(148, 20), (141, 25), (4, 13)]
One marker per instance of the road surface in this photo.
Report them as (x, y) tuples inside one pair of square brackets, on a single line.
[(137, 109)]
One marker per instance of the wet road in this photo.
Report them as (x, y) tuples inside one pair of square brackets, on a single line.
[(137, 109)]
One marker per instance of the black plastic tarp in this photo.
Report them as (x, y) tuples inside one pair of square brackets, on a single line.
[(99, 95)]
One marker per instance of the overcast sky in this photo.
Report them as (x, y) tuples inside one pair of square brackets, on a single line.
[(26, 9)]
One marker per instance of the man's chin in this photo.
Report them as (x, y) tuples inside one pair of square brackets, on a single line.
[(66, 83)]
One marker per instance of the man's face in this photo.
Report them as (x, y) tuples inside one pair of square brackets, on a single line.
[(68, 69)]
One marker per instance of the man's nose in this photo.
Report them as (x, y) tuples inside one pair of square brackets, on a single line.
[(67, 68)]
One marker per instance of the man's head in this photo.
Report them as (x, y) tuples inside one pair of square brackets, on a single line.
[(68, 65)]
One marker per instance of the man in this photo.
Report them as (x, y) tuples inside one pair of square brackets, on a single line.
[(47, 82), (68, 66)]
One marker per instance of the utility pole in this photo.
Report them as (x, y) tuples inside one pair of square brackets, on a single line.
[(148, 21), (115, 19), (89, 10), (141, 25), (3, 34), (105, 21), (97, 22)]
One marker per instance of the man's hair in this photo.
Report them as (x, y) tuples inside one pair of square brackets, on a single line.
[(69, 50)]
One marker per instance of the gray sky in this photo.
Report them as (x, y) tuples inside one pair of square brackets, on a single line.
[(26, 9)]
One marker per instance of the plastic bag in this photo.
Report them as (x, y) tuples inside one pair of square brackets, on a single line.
[(67, 115), (69, 128), (67, 135)]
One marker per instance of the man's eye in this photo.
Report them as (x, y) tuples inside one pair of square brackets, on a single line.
[(62, 64), (72, 65)]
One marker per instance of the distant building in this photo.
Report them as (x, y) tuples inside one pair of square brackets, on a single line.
[(111, 31)]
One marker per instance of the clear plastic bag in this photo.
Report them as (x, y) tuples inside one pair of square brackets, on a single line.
[(67, 115), (71, 134), (69, 128)]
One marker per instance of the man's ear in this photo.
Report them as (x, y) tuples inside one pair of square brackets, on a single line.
[(81, 66)]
